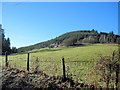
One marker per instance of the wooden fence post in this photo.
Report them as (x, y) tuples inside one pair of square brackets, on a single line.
[(28, 62), (6, 59), (64, 77), (117, 76)]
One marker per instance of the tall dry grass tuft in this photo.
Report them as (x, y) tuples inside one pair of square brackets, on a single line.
[(89, 80), (55, 67), (95, 81), (9, 66), (36, 65)]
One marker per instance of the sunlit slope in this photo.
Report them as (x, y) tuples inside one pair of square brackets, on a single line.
[(79, 61)]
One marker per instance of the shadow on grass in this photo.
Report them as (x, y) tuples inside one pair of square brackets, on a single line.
[(45, 50), (50, 49)]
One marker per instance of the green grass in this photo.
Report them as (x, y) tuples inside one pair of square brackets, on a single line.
[(79, 61)]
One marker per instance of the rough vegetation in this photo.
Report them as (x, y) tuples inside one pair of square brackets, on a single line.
[(15, 78)]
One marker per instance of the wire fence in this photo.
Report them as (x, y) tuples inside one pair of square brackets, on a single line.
[(81, 71)]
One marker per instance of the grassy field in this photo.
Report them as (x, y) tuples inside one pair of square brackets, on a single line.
[(79, 61)]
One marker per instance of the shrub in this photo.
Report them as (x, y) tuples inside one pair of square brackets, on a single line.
[(70, 41), (106, 67)]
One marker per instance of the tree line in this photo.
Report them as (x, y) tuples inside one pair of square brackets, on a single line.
[(90, 37), (5, 43)]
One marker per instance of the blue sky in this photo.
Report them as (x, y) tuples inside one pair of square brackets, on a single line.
[(28, 23), (60, 0)]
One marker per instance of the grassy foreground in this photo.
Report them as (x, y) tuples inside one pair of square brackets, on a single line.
[(79, 61)]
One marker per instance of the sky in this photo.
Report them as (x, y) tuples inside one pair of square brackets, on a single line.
[(60, 0), (28, 23)]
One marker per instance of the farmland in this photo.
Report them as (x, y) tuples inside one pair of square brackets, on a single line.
[(79, 61)]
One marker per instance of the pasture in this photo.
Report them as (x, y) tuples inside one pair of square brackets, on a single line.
[(79, 61)]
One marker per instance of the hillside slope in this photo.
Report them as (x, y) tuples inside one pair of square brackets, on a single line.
[(75, 38), (79, 61)]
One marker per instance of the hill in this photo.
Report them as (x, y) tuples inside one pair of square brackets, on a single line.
[(75, 38)]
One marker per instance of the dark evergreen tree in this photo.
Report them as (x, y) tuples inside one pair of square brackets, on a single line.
[(0, 40), (14, 50), (118, 40), (5, 42)]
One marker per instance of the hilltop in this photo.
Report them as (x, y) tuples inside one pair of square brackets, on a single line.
[(75, 38)]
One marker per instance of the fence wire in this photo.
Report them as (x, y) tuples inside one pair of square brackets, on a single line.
[(81, 71)]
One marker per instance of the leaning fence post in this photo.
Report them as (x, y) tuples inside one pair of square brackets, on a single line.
[(64, 77), (6, 59), (117, 75), (28, 62)]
